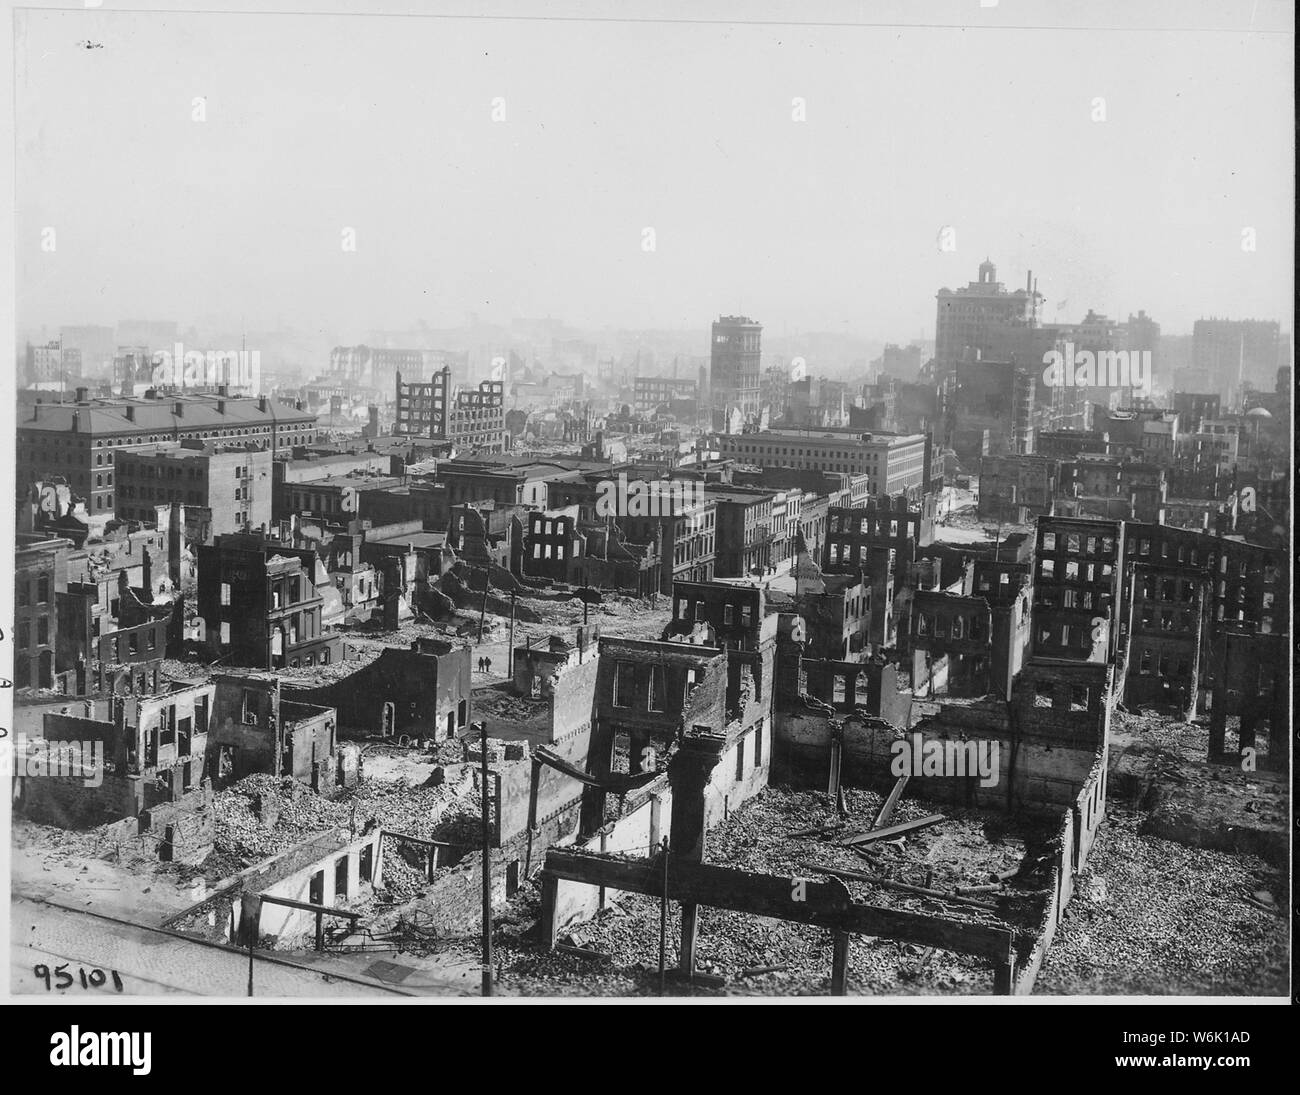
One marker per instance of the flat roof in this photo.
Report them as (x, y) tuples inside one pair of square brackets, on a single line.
[(838, 434), (103, 416), (417, 539), (367, 482)]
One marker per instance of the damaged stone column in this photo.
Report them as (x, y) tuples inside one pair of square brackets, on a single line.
[(689, 774), (840, 964)]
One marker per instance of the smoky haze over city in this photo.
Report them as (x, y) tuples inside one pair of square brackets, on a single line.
[(505, 170), (708, 501)]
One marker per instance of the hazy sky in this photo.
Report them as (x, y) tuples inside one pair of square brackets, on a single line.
[(384, 125)]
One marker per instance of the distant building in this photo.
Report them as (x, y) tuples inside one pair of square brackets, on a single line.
[(1014, 488), (469, 419), (52, 364), (972, 317), (1216, 444), (1194, 406), (1232, 353), (686, 539), (1142, 334), (234, 485), (649, 393), (997, 396), (901, 362), (505, 482), (376, 367), (336, 499), (894, 462), (79, 440), (747, 541), (95, 345), (1145, 433), (1067, 443), (734, 363)]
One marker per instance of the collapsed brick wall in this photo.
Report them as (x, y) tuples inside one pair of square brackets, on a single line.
[(69, 804), (182, 831), (1076, 835), (1042, 776), (423, 688), (453, 902)]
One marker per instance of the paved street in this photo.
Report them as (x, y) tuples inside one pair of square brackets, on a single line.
[(150, 962)]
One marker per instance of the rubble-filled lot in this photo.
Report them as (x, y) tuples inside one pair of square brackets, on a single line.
[(258, 817), (627, 617), (1153, 917), (81, 868), (965, 849), (1158, 764), (1149, 916), (261, 815)]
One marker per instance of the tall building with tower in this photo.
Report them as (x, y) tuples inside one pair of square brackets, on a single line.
[(734, 363), (983, 316)]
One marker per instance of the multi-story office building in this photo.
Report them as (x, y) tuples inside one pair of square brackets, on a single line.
[(894, 462), (52, 363), (1142, 335), (734, 363), (972, 317), (233, 484), (1234, 352), (80, 440), (649, 393), (747, 541), (686, 535), (376, 366)]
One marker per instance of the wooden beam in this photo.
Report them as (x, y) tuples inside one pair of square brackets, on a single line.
[(582, 952), (887, 810), (216, 895), (690, 932), (421, 840), (890, 884), (988, 887), (308, 907), (799, 900), (833, 785), (758, 971), (840, 964), (893, 830), (816, 830), (550, 893)]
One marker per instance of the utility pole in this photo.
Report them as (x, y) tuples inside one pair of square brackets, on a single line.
[(487, 581), (487, 862), (663, 923), (250, 911), (510, 648)]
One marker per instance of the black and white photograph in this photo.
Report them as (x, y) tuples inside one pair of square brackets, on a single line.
[(719, 503)]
